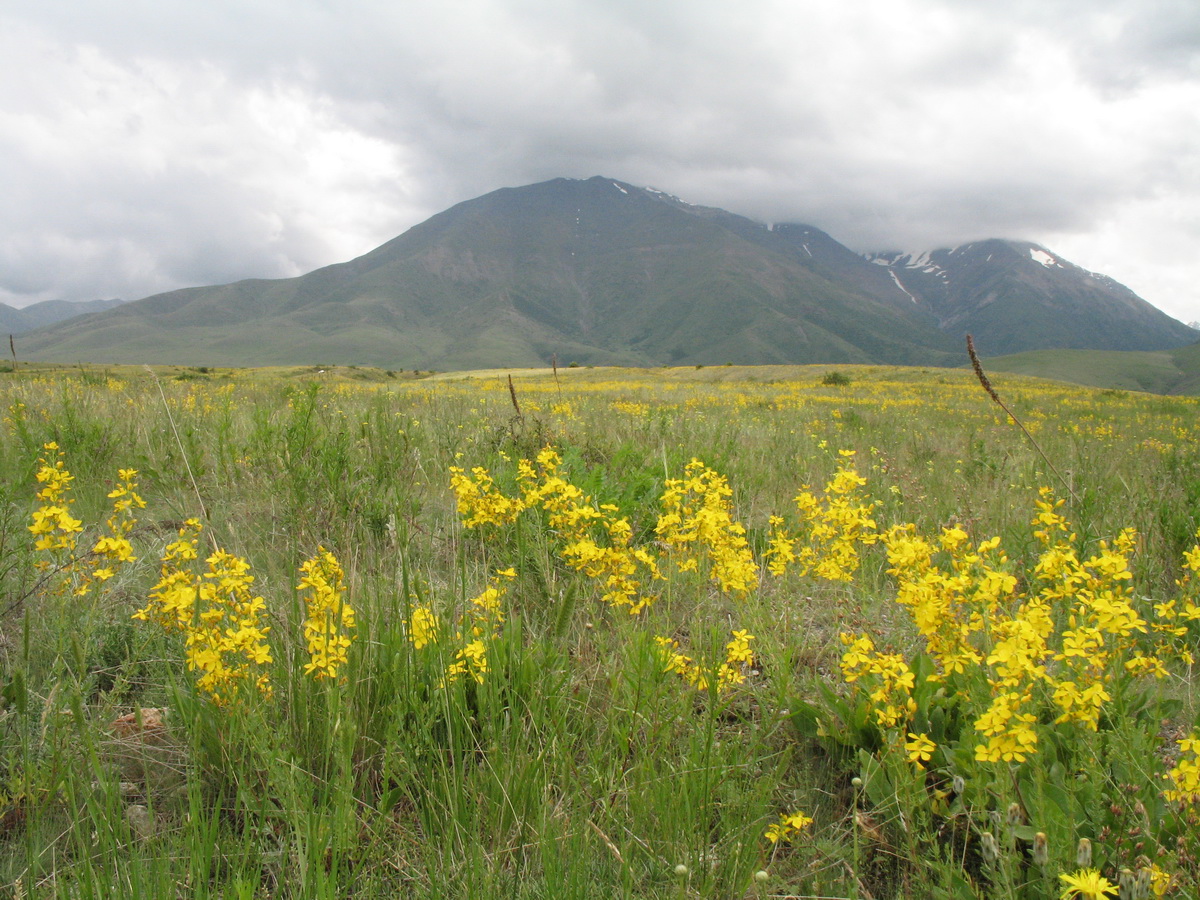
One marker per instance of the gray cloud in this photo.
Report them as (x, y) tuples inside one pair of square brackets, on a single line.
[(146, 146)]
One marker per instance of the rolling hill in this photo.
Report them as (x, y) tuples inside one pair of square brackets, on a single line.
[(38, 315), (1158, 372)]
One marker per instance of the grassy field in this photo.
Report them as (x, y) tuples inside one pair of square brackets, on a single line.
[(705, 632)]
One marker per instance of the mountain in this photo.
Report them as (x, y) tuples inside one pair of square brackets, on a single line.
[(592, 271), (1015, 296), (595, 271), (47, 312)]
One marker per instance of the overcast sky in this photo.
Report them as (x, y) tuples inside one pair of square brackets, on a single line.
[(147, 145)]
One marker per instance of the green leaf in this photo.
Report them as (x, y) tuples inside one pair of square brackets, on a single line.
[(389, 800), (876, 782), (13, 693), (1026, 832), (806, 719)]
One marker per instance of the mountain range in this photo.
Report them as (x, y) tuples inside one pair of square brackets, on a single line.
[(47, 312), (598, 271)]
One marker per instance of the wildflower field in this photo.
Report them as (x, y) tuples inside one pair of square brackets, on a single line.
[(720, 632)]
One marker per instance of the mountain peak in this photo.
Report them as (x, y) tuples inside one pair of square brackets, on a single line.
[(600, 271), (1017, 295)]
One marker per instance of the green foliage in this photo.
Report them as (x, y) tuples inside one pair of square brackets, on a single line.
[(835, 379)]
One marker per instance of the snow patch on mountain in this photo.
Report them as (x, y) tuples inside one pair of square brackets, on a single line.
[(1041, 256), (665, 196), (896, 279)]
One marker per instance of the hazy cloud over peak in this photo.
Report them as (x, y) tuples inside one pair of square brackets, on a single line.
[(146, 146)]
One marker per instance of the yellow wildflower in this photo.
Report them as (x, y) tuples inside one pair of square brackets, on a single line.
[(920, 749), (1086, 884), (788, 826), (330, 619)]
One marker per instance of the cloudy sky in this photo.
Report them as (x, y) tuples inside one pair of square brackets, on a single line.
[(147, 145)]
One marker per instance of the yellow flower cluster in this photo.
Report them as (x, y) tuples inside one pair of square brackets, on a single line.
[(220, 617), (471, 659), (480, 502), (631, 407), (55, 527), (697, 512), (696, 528), (833, 527), (330, 619), (886, 676), (594, 539), (1186, 607), (738, 659), (696, 517), (1185, 776), (620, 568), (113, 550), (422, 627), (788, 827), (479, 623), (1062, 639), (58, 531)]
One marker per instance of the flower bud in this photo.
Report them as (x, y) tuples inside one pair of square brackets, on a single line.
[(1143, 883), (989, 847), (1041, 849), (959, 784), (1083, 854), (681, 870), (1015, 816), (761, 875), (1125, 884)]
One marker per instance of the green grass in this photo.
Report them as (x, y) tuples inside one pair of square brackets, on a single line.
[(578, 767)]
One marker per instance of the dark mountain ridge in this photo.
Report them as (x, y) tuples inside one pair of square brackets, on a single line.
[(592, 271)]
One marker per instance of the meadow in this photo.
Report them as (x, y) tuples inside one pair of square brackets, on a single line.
[(778, 632)]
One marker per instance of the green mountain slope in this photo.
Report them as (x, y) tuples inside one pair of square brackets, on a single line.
[(18, 321), (1158, 372), (595, 272)]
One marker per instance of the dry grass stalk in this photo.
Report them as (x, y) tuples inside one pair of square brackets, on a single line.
[(991, 391), (512, 392), (182, 453)]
